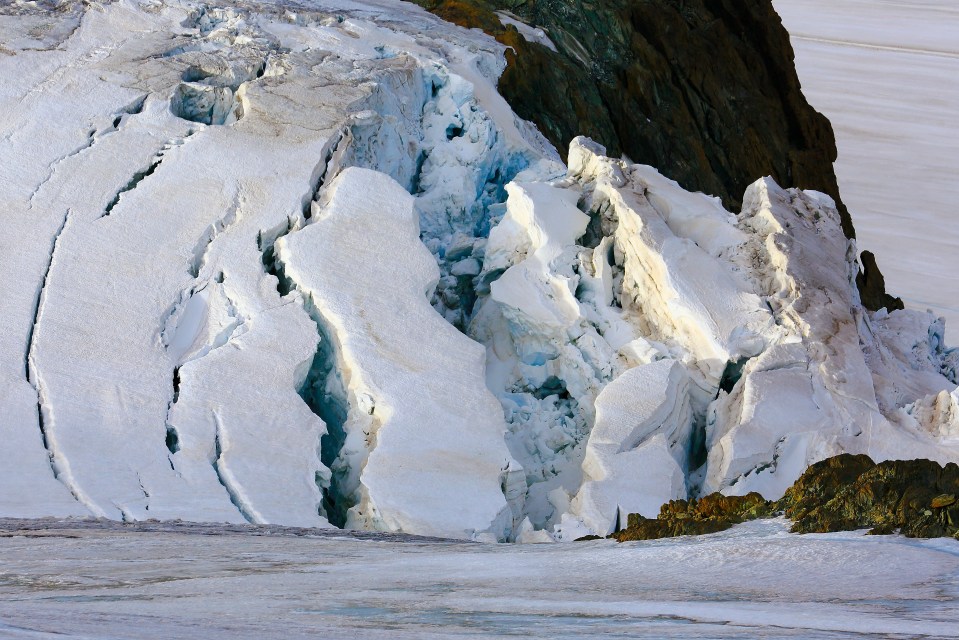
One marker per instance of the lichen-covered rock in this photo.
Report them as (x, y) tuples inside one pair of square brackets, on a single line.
[(915, 497), (709, 514), (821, 481)]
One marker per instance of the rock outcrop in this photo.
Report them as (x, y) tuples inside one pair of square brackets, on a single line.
[(917, 498), (705, 91), (709, 514)]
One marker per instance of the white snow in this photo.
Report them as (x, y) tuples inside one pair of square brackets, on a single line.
[(753, 581), (886, 74), (423, 434), (307, 267), (758, 314), (636, 458), (144, 320)]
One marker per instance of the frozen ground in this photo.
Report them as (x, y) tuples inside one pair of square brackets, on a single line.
[(886, 73), (199, 581)]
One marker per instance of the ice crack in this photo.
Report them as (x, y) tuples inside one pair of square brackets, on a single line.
[(59, 465), (226, 478), (143, 174)]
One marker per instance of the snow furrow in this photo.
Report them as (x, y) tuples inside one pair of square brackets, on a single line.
[(226, 478), (118, 120), (38, 304), (202, 248), (59, 464)]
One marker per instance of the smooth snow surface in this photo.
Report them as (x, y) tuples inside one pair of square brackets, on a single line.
[(886, 74), (306, 267), (754, 581)]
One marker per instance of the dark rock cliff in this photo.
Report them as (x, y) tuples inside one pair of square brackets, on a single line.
[(706, 91)]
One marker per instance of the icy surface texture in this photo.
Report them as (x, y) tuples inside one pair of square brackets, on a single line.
[(423, 449), (637, 451), (156, 361), (307, 267), (674, 348), (155, 581)]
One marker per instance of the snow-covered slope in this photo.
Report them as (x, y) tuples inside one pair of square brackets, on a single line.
[(886, 73), (254, 253)]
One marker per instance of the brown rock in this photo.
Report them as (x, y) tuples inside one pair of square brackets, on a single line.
[(709, 514), (872, 286), (851, 492), (943, 500)]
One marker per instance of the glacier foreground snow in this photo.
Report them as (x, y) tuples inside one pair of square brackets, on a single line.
[(306, 267), (157, 581)]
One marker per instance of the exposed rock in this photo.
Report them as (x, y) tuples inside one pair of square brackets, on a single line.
[(707, 92), (588, 538), (630, 75), (872, 286), (914, 497), (917, 498), (821, 481), (709, 514), (944, 500)]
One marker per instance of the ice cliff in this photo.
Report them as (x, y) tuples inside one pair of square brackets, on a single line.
[(300, 263)]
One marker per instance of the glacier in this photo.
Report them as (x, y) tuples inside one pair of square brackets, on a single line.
[(301, 264), (168, 580)]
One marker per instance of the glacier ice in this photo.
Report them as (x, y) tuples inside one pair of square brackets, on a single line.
[(637, 454), (423, 450), (307, 267)]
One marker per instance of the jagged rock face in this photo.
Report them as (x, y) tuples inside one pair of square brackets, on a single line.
[(709, 514), (918, 498), (872, 285), (705, 91)]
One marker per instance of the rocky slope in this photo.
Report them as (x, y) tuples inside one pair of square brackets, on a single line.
[(704, 91)]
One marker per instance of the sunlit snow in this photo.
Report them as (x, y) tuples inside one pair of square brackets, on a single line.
[(753, 581), (886, 74)]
